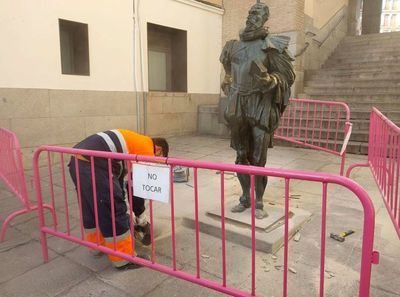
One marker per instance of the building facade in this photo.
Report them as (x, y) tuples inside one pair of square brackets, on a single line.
[(73, 68)]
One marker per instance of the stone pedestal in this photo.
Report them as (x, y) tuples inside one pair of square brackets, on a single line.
[(269, 231)]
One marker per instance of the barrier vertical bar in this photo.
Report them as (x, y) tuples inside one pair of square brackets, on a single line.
[(171, 174), (323, 240), (43, 237), (307, 120), (78, 190), (51, 185), (130, 199), (391, 169), (223, 228), (65, 194), (111, 187), (321, 125), (94, 190), (153, 247), (286, 239), (253, 236), (301, 117), (196, 213), (338, 112), (396, 202), (329, 126), (313, 128)]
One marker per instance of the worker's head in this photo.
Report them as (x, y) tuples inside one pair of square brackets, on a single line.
[(161, 147), (258, 15)]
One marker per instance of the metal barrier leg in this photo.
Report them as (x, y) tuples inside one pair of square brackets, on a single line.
[(354, 166), (8, 220), (53, 214)]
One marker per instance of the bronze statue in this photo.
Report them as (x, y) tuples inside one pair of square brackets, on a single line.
[(258, 77)]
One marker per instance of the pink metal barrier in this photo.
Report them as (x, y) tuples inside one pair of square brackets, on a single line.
[(320, 125), (384, 161), (368, 256), (12, 174)]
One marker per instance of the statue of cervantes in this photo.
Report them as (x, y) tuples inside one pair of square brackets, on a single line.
[(258, 77)]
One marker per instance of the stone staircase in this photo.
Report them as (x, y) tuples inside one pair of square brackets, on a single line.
[(364, 71)]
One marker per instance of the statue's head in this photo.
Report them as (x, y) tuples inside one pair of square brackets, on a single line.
[(258, 15)]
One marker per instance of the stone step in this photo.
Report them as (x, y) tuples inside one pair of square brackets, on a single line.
[(353, 103), (370, 46), (318, 133), (384, 35), (353, 147), (359, 66), (354, 83), (365, 114), (381, 38), (370, 52), (362, 60), (356, 75), (384, 94)]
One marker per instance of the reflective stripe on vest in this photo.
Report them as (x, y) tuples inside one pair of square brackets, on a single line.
[(109, 141), (121, 140)]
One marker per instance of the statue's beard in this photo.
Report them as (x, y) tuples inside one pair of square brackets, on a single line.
[(252, 32)]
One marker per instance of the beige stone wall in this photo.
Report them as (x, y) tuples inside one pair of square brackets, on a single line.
[(321, 11), (175, 113), (64, 117)]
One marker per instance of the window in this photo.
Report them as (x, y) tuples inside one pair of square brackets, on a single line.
[(74, 47), (167, 58), (386, 20)]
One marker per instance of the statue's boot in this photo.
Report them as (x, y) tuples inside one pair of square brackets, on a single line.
[(261, 214), (261, 183), (244, 201), (239, 208)]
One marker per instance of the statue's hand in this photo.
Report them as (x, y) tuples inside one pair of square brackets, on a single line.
[(226, 83), (265, 83)]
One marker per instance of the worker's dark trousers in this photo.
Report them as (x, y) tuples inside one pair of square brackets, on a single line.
[(103, 199)]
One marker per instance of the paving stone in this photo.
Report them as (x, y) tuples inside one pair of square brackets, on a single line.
[(136, 282), (82, 256), (48, 279), (20, 259), (93, 287)]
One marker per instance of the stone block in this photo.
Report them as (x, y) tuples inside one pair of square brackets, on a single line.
[(268, 239), (33, 132), (5, 123), (189, 122), (68, 130), (24, 103), (65, 103), (164, 124), (103, 123)]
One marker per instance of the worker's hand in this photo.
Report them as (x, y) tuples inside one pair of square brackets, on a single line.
[(226, 84), (265, 83)]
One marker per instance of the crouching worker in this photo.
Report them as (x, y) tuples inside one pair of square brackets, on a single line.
[(119, 141)]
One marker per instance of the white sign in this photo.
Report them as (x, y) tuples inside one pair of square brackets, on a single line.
[(151, 182)]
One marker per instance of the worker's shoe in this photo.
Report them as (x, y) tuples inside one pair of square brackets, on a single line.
[(146, 231), (261, 214), (131, 265)]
